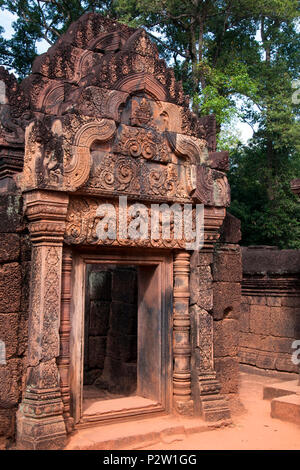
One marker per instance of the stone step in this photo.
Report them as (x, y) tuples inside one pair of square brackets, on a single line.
[(281, 389), (139, 433), (286, 408)]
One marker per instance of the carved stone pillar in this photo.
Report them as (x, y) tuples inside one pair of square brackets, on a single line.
[(181, 335), (210, 403), (40, 422), (65, 328)]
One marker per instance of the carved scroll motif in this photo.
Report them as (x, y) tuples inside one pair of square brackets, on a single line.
[(116, 173), (78, 169), (138, 142)]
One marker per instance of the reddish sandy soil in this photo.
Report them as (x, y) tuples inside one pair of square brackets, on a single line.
[(254, 429)]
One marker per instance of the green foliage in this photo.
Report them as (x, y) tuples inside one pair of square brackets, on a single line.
[(265, 220)]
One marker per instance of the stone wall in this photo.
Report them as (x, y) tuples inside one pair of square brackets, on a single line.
[(216, 298), (14, 279), (270, 309), (227, 275)]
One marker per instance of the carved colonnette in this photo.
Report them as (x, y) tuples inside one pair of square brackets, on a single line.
[(64, 332), (40, 422), (183, 402)]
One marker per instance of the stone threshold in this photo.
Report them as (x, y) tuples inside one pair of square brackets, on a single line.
[(95, 411), (139, 433)]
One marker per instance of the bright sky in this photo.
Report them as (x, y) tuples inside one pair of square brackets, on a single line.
[(6, 20)]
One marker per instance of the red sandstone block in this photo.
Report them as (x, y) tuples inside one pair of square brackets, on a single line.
[(273, 301), (244, 320), (260, 319), (226, 338), (250, 340), (227, 369), (281, 345), (227, 267), (227, 299), (7, 422), (283, 322), (10, 375), (9, 333), (10, 288), (284, 363), (286, 408), (248, 356), (200, 259), (258, 300), (266, 360), (9, 247)]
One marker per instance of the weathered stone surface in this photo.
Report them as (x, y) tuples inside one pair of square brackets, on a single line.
[(9, 333), (201, 259), (231, 229), (227, 369), (244, 319), (273, 301), (9, 387), (226, 338), (10, 288), (227, 267), (260, 259), (265, 360), (7, 421), (260, 319), (226, 299), (283, 322), (9, 247), (284, 363)]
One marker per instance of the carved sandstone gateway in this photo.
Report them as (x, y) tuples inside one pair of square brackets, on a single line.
[(101, 116)]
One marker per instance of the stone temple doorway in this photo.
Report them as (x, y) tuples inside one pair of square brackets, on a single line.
[(121, 314), (109, 121)]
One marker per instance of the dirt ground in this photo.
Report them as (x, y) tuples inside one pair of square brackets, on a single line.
[(252, 430)]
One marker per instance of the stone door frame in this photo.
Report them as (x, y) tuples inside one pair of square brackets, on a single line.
[(161, 289)]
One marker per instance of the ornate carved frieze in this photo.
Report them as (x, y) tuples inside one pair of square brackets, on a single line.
[(84, 221)]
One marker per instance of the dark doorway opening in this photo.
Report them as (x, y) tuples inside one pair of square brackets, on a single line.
[(110, 333)]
